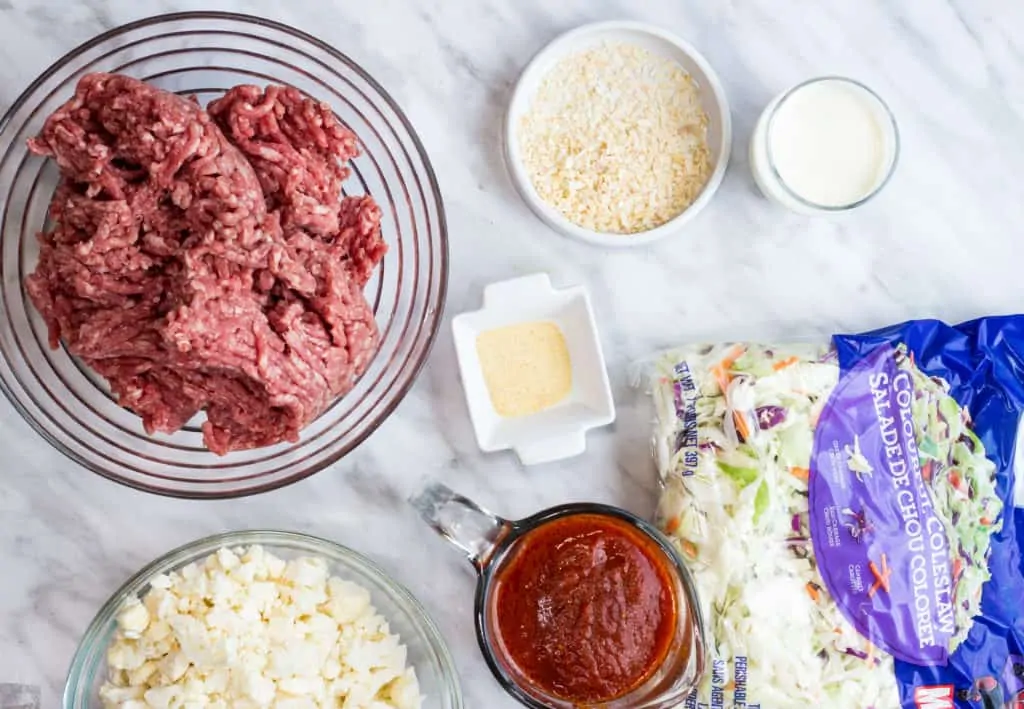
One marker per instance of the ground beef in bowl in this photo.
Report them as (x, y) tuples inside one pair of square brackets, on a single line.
[(206, 260)]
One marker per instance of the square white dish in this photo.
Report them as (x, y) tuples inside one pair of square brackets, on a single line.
[(560, 431)]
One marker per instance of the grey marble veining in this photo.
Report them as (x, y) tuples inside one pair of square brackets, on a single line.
[(942, 241)]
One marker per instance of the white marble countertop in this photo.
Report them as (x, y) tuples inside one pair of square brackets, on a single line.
[(942, 241)]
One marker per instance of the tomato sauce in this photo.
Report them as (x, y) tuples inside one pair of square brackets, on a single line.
[(586, 608)]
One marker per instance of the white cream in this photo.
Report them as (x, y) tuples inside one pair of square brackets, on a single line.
[(827, 144)]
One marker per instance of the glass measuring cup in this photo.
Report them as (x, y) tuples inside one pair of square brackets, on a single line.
[(492, 543)]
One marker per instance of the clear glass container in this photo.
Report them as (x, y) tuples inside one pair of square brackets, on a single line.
[(764, 163), (490, 542), (427, 652), (206, 53)]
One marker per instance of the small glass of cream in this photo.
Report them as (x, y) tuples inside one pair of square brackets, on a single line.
[(829, 144)]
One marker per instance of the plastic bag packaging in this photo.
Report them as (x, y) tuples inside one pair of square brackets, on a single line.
[(847, 512)]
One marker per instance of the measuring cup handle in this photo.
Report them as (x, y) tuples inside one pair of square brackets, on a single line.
[(461, 521)]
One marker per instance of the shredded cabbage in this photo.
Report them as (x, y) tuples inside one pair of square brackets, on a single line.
[(734, 440)]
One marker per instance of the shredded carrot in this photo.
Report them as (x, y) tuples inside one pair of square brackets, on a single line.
[(812, 591), (673, 525), (730, 686), (800, 473), (734, 354), (926, 471), (958, 566), (881, 576), (985, 521), (720, 371), (690, 548), (886, 573), (721, 377), (954, 478), (789, 361), (871, 651), (742, 427)]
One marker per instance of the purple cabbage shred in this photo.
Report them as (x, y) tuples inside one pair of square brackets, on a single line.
[(769, 416)]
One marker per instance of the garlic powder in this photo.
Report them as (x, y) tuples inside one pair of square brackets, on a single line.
[(616, 139), (526, 367)]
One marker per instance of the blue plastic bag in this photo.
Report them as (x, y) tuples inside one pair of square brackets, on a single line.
[(983, 363), (853, 504)]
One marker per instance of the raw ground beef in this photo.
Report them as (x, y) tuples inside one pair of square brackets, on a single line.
[(205, 260)]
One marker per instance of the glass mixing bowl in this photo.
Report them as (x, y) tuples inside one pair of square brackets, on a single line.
[(206, 53), (427, 651)]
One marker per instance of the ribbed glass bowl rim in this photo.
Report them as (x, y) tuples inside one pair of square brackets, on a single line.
[(100, 630), (432, 191)]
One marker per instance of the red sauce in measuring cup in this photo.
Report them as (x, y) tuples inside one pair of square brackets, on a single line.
[(586, 607)]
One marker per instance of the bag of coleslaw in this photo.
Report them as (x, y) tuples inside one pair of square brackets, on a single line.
[(847, 513)]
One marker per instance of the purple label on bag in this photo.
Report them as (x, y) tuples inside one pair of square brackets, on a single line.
[(880, 547)]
